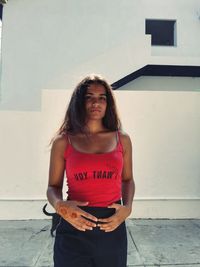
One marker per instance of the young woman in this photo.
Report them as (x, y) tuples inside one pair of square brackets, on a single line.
[(97, 158)]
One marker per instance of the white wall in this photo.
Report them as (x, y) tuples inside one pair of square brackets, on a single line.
[(187, 16), (52, 45), (163, 83), (164, 127)]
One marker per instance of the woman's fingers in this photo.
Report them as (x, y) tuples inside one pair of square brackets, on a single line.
[(108, 227), (80, 222), (71, 211), (78, 226), (76, 205), (105, 220), (87, 223), (115, 206), (88, 215), (81, 225), (109, 224)]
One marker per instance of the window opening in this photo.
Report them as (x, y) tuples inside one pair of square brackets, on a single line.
[(163, 32)]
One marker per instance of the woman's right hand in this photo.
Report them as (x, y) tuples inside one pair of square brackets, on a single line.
[(70, 212)]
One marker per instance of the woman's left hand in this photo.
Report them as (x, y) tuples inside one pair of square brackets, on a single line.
[(111, 223)]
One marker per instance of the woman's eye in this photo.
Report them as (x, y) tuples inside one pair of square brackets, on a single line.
[(90, 98)]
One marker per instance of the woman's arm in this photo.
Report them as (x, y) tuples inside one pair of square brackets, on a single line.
[(56, 171), (128, 184), (68, 209)]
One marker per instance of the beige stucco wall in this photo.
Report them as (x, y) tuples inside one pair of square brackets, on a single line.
[(163, 125)]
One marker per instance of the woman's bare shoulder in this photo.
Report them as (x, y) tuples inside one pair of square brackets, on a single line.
[(124, 136), (60, 142), (125, 139)]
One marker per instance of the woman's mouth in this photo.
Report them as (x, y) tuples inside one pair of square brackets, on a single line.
[(95, 110)]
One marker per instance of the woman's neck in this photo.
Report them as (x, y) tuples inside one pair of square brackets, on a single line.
[(93, 127)]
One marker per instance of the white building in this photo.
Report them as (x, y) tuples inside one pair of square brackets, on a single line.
[(47, 47)]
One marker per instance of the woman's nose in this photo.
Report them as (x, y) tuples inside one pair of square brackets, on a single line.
[(95, 101)]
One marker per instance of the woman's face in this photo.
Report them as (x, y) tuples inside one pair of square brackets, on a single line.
[(95, 102)]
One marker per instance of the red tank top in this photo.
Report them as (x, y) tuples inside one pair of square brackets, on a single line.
[(95, 178)]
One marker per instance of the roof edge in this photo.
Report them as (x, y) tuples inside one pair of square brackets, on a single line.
[(159, 70)]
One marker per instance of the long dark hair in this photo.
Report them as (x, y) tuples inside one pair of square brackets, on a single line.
[(74, 120)]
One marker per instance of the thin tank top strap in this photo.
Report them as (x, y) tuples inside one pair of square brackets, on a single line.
[(68, 146), (119, 143), (118, 136), (67, 137), (69, 140)]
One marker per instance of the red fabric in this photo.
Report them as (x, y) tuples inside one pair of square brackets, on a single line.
[(95, 178)]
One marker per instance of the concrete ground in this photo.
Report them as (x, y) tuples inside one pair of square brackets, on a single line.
[(150, 243)]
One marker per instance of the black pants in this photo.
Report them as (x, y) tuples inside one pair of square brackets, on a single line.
[(92, 248)]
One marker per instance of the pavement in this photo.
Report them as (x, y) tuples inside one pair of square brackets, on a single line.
[(151, 242)]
